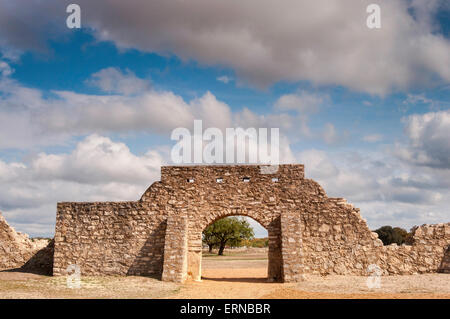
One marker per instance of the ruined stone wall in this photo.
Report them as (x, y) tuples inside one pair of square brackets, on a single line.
[(336, 239), (16, 248), (161, 233), (124, 238), (425, 255)]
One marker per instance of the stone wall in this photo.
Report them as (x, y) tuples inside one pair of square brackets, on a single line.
[(161, 233), (124, 238), (424, 256), (16, 248)]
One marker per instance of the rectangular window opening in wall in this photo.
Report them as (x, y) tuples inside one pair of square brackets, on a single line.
[(246, 179), (275, 179), (219, 180), (190, 180)]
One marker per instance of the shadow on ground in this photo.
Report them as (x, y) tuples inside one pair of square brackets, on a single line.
[(41, 263), (249, 280)]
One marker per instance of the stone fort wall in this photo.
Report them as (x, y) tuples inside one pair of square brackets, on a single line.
[(160, 234)]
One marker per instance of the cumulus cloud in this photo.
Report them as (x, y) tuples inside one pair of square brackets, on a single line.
[(113, 80), (28, 119), (98, 169), (325, 41), (388, 191), (406, 187), (97, 160), (302, 102), (5, 69), (304, 105), (428, 140)]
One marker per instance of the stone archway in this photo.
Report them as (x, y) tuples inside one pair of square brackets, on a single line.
[(160, 234), (243, 190), (273, 227)]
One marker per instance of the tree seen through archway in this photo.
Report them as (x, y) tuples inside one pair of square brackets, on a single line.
[(229, 231)]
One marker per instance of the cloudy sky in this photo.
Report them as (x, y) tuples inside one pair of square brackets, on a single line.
[(86, 114)]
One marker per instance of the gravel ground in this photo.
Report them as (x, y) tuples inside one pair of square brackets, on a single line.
[(233, 276)]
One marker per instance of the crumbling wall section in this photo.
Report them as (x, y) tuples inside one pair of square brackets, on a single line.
[(336, 239), (425, 255), (16, 248)]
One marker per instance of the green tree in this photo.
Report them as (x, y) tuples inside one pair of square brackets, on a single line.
[(209, 238), (230, 230), (396, 235)]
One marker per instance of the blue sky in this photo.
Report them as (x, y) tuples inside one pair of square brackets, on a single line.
[(366, 111)]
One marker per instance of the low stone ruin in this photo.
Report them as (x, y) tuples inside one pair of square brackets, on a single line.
[(18, 251)]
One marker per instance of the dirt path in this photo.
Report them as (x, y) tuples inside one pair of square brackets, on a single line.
[(242, 283), (244, 277)]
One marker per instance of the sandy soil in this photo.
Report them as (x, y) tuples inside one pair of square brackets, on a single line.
[(234, 276), (246, 278), (19, 285)]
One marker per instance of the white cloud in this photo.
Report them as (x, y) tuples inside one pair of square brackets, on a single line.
[(214, 113), (97, 160), (225, 79), (98, 169), (429, 143), (373, 138), (406, 187), (329, 134), (388, 191), (302, 102), (5, 69), (325, 41), (113, 80), (332, 136), (28, 120)]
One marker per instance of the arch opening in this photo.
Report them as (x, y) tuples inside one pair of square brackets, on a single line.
[(235, 248), (254, 259)]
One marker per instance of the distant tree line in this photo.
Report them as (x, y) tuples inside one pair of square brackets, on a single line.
[(395, 235), (256, 242)]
